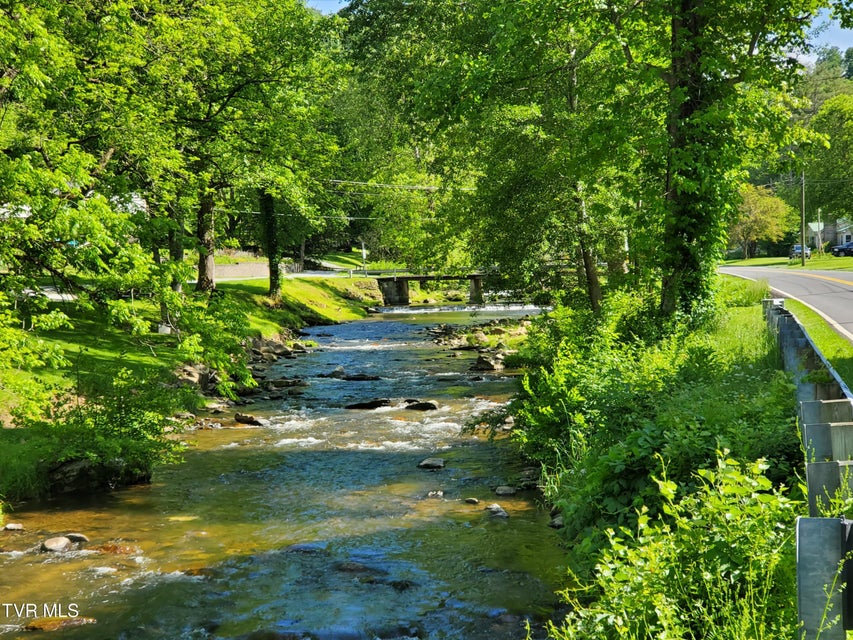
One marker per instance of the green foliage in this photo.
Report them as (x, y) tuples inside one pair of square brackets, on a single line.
[(604, 405), (760, 216), (719, 563), (122, 429), (829, 165), (212, 331)]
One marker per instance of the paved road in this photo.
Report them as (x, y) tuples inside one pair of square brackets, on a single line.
[(830, 293)]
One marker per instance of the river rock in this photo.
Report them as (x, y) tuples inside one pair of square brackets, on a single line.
[(488, 362), (361, 377), (114, 548), (472, 500), (431, 463), (57, 544), (505, 490), (246, 418), (282, 383), (14, 526), (77, 537), (422, 406), (370, 404), (556, 522), (497, 510), (57, 623)]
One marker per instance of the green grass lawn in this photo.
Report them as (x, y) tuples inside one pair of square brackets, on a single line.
[(826, 262), (94, 347)]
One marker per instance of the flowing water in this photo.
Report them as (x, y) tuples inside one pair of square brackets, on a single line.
[(318, 525)]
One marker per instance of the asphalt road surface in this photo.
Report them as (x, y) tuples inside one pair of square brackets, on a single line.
[(830, 293)]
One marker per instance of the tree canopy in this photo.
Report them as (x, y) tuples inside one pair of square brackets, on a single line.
[(574, 148)]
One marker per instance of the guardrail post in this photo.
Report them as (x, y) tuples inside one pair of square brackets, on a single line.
[(821, 547)]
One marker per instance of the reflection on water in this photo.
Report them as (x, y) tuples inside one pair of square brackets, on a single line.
[(319, 525)]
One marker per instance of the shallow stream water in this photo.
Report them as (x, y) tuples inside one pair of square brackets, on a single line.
[(317, 525)]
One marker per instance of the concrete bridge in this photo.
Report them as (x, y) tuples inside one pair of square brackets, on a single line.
[(395, 289)]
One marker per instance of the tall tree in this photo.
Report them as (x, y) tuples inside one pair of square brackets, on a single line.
[(687, 92), (830, 166), (761, 216)]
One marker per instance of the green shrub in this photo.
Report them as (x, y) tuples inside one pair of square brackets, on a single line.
[(719, 565), (604, 404), (121, 429)]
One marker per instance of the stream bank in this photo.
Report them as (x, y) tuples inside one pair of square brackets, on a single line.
[(318, 523)]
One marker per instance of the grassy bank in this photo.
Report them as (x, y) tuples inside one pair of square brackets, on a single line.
[(672, 460), (103, 390), (837, 349)]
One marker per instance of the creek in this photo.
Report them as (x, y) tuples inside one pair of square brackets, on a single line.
[(319, 524)]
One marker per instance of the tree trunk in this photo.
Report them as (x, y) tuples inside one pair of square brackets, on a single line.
[(590, 269), (176, 251), (689, 212), (206, 245), (271, 235)]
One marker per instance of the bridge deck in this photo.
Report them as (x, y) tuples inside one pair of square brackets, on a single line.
[(425, 278)]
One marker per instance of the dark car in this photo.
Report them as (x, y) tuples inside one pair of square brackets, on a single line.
[(845, 249), (795, 252)]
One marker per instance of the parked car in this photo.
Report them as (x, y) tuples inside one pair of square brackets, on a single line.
[(795, 252), (845, 249)]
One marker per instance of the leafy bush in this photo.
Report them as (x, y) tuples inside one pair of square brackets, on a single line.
[(720, 564), (606, 403), (120, 431), (213, 332)]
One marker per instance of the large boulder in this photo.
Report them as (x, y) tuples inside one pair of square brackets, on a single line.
[(421, 406), (489, 362), (370, 404), (84, 475), (57, 544)]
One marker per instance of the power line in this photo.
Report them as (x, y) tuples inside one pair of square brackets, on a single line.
[(296, 215), (406, 187)]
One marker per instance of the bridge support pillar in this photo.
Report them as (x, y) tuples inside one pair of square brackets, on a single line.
[(395, 291), (475, 292)]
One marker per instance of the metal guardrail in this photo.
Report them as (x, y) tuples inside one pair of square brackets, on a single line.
[(825, 537)]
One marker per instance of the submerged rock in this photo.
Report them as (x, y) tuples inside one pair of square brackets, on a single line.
[(57, 623), (431, 463), (360, 377), (497, 510)]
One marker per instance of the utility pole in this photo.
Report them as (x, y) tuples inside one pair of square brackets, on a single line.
[(803, 219), (819, 233)]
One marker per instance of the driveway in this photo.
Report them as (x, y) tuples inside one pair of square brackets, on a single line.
[(829, 293)]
